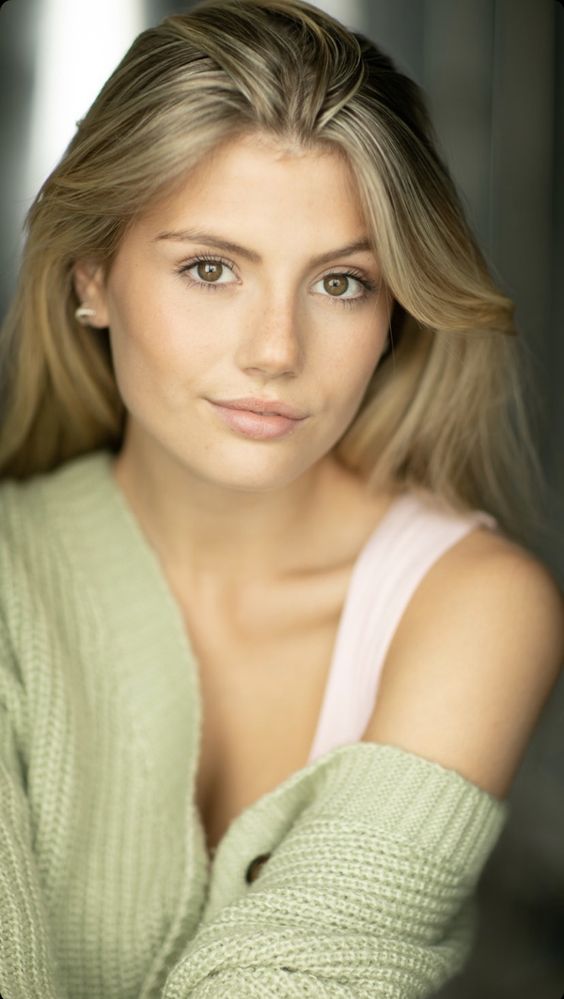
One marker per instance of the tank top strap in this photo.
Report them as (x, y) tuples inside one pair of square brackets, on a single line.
[(410, 538)]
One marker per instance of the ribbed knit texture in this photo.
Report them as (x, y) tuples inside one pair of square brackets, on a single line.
[(106, 889)]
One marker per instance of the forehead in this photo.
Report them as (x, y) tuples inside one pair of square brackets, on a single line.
[(254, 178)]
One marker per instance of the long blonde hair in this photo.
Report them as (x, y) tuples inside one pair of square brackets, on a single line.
[(445, 410)]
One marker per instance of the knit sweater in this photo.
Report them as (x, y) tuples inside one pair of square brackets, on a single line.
[(372, 854)]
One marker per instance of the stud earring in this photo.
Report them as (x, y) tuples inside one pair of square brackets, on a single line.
[(83, 313)]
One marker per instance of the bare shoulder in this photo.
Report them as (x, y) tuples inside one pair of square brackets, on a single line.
[(488, 574), (475, 657)]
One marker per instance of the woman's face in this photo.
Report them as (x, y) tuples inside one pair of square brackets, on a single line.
[(192, 320)]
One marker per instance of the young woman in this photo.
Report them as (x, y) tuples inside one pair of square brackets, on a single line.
[(271, 650)]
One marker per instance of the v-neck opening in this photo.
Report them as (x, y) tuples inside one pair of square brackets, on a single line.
[(350, 594), (148, 563)]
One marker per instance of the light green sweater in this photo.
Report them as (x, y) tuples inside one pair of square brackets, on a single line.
[(106, 889)]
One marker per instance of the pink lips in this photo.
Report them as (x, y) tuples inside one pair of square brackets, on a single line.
[(256, 405), (260, 427)]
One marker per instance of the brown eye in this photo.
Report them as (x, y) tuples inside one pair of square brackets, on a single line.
[(336, 284), (209, 270)]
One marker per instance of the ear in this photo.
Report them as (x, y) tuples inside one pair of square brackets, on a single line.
[(90, 286)]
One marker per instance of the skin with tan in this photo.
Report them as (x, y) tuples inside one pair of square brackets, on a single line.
[(268, 320)]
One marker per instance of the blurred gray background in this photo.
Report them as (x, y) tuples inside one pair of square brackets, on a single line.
[(493, 74)]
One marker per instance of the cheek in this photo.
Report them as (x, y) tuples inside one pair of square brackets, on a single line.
[(157, 341), (351, 353)]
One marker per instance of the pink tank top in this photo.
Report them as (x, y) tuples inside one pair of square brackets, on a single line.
[(409, 539)]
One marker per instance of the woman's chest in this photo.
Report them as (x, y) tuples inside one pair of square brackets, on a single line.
[(261, 702)]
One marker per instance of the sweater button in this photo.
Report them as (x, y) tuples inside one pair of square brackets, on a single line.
[(255, 866)]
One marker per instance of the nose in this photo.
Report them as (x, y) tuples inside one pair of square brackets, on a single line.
[(272, 339)]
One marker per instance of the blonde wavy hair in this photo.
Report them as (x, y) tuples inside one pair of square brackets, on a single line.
[(445, 410)]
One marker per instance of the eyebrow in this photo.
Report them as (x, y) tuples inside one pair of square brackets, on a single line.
[(197, 236)]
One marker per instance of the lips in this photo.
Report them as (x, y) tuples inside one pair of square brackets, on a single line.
[(274, 407), (257, 426)]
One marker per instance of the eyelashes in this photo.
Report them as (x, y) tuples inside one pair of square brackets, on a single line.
[(205, 258), (369, 287)]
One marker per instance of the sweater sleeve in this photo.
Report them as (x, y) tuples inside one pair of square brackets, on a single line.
[(369, 895), (27, 968)]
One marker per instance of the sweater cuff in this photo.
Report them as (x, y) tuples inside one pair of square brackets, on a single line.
[(412, 798)]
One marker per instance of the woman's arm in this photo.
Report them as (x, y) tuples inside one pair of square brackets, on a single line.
[(371, 892), (476, 656), (374, 856)]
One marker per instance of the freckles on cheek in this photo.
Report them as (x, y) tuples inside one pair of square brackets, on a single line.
[(162, 360), (352, 373)]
